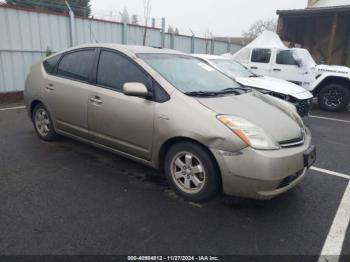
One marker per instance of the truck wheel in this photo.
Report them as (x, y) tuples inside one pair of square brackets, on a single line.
[(334, 97), (192, 172)]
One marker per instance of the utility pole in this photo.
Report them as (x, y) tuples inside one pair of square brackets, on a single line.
[(71, 24)]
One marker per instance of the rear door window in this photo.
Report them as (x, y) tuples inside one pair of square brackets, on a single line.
[(77, 65), (261, 55)]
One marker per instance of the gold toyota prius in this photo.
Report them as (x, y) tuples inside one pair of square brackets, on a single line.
[(171, 111)]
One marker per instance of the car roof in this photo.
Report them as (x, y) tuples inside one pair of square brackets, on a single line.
[(135, 49), (208, 57)]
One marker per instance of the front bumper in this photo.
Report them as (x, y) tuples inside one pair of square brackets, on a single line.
[(261, 174)]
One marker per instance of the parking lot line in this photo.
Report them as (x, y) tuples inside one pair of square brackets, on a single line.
[(12, 108), (331, 119), (329, 172), (332, 248)]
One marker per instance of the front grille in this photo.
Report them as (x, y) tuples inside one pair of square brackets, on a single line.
[(292, 142), (286, 182), (303, 106)]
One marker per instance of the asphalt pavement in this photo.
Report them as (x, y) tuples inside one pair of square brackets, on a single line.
[(69, 198)]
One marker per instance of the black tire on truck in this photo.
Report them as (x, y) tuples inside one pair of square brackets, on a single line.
[(334, 97)]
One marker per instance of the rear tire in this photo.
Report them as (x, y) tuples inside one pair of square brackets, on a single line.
[(43, 123), (334, 98), (192, 172)]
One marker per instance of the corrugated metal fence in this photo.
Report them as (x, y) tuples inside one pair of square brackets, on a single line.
[(26, 35)]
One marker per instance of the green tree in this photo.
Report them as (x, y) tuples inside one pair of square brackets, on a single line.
[(80, 7)]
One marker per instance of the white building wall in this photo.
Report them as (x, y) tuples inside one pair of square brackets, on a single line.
[(25, 35)]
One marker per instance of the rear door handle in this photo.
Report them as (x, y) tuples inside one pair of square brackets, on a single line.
[(96, 100), (254, 67), (277, 69)]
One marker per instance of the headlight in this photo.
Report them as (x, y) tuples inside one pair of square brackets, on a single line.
[(250, 133), (294, 114)]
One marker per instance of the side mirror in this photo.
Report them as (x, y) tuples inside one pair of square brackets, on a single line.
[(135, 89), (298, 62)]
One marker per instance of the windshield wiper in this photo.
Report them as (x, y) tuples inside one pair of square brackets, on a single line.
[(236, 90), (202, 93), (230, 90)]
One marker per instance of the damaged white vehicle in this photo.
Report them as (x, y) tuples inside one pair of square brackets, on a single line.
[(267, 55), (301, 98)]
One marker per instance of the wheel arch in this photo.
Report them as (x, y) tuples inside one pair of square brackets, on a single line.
[(331, 80), (33, 104), (175, 140)]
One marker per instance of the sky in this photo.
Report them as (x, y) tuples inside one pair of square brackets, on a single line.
[(220, 17)]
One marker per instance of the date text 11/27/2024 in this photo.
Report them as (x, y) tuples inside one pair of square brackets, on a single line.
[(173, 258)]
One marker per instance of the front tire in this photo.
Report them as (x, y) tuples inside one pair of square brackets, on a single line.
[(192, 172), (334, 98), (43, 123)]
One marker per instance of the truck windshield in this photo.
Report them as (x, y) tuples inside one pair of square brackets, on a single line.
[(188, 74), (232, 68), (292, 56), (305, 57)]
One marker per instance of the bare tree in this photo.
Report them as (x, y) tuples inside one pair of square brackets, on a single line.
[(177, 32), (125, 18), (112, 15), (170, 30), (146, 16), (134, 19), (260, 26)]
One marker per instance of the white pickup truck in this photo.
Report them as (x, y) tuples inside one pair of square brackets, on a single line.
[(268, 56)]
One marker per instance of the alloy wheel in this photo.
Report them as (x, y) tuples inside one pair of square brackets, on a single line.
[(42, 122), (188, 172), (333, 98)]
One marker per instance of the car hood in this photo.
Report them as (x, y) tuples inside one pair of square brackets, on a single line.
[(259, 109), (275, 85)]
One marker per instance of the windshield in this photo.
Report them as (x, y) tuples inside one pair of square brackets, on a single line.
[(188, 74), (305, 57), (232, 68)]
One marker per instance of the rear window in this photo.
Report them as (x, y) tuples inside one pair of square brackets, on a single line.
[(50, 64), (76, 65)]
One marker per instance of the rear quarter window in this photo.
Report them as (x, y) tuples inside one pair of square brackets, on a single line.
[(51, 63)]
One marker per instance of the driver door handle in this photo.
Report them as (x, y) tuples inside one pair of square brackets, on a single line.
[(49, 87), (96, 100), (253, 67), (277, 69)]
